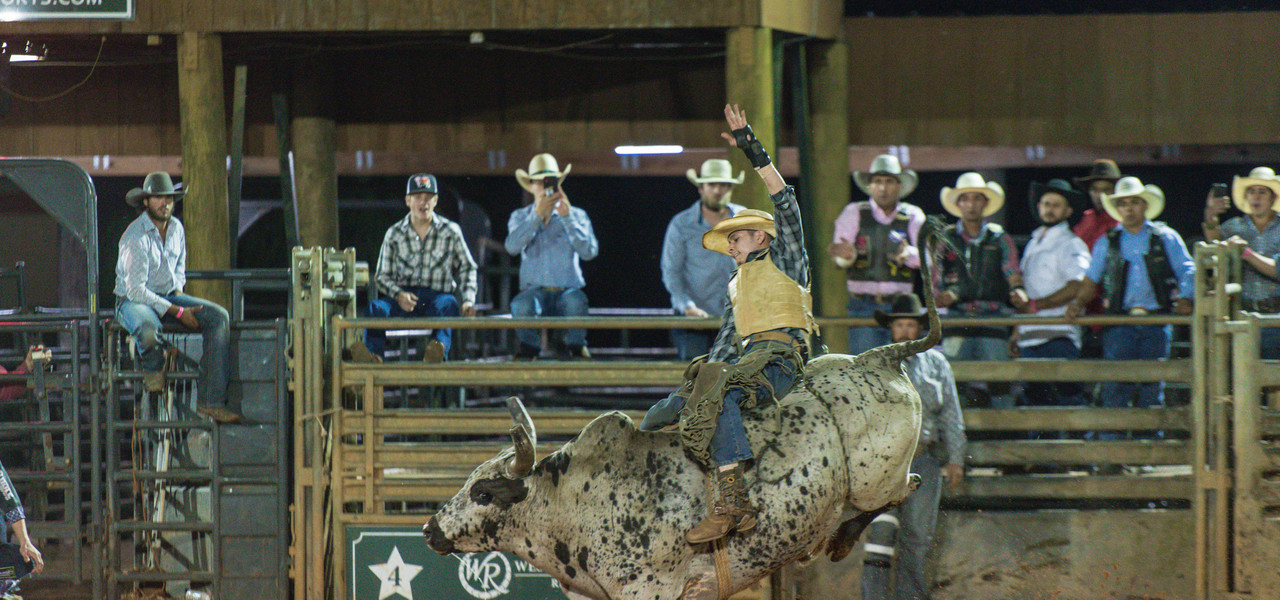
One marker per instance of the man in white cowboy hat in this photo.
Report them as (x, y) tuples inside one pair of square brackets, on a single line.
[(979, 276), (1053, 265), (424, 270), (1141, 266), (1257, 234), (551, 236), (696, 277), (151, 271), (875, 241), (756, 356), (900, 540), (1096, 222)]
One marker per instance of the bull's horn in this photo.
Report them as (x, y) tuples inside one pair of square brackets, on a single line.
[(519, 465), (521, 417)]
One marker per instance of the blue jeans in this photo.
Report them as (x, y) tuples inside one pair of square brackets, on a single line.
[(981, 348), (862, 339), (431, 303), (1053, 393), (143, 323), (917, 518), (729, 443), (547, 302), (1270, 348), (1134, 342), (692, 343)]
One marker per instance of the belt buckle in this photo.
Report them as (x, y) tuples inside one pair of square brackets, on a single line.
[(1138, 311)]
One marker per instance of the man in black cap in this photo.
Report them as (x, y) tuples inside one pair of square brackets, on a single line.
[(151, 271), (904, 535), (424, 266)]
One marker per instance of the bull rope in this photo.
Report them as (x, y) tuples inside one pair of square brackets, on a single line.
[(724, 574)]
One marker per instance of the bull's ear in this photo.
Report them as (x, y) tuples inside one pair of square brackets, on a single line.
[(519, 465), (520, 416)]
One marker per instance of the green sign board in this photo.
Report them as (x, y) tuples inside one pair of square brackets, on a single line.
[(394, 563), (24, 10)]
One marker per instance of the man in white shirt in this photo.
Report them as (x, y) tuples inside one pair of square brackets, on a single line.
[(1053, 265)]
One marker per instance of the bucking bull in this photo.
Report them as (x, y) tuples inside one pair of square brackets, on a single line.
[(606, 514)]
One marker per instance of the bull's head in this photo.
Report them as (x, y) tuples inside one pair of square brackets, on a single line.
[(473, 518)]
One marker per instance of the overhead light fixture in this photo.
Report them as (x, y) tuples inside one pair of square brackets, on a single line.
[(656, 149), (23, 52)]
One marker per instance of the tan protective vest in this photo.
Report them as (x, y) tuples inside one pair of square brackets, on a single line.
[(764, 299)]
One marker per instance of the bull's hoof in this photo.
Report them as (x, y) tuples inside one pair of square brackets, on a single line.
[(913, 481), (701, 587), (846, 535)]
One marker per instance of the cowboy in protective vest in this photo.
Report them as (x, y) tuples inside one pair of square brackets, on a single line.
[(756, 357), (1143, 267)]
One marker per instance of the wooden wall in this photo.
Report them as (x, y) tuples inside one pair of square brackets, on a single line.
[(1065, 80)]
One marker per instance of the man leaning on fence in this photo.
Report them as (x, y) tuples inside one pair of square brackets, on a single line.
[(424, 269), (1257, 234), (1142, 267), (151, 272)]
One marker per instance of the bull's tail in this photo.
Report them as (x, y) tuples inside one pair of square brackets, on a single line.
[(929, 232)]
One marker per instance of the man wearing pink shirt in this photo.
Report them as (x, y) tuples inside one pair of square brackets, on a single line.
[(875, 242), (12, 390)]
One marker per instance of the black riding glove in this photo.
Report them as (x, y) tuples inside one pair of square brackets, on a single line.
[(751, 146)]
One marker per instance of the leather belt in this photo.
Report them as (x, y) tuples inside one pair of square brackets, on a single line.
[(770, 336)]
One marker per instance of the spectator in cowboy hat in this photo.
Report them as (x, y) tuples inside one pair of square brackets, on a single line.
[(1257, 234), (875, 242), (424, 270), (551, 236), (1141, 266), (1096, 222), (696, 277), (151, 272), (1053, 264), (978, 277), (900, 539)]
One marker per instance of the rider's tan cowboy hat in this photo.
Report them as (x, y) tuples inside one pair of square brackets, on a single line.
[(715, 170), (973, 182), (717, 239), (155, 184), (540, 167), (1263, 176), (887, 164), (1132, 186)]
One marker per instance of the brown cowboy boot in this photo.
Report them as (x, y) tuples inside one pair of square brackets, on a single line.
[(732, 511)]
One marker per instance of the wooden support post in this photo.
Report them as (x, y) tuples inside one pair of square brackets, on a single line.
[(829, 100), (203, 115), (315, 141), (749, 82)]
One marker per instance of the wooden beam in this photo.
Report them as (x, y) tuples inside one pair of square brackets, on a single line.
[(1075, 488), (829, 97), (749, 82), (1127, 371), (1076, 419), (315, 142), (1077, 452), (202, 106)]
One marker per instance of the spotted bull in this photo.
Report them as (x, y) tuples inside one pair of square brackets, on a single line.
[(606, 514)]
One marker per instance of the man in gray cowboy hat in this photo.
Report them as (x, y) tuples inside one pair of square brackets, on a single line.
[(424, 270), (551, 236), (901, 538), (696, 277), (1053, 264), (1257, 233), (875, 242), (151, 272), (1143, 267), (1096, 221)]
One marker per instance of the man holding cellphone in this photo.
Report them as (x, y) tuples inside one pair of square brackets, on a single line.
[(1257, 232), (551, 236)]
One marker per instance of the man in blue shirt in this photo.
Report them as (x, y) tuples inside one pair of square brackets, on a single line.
[(1143, 267), (696, 277), (551, 236)]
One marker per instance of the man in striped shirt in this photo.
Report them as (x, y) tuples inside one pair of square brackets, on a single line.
[(424, 270), (151, 271)]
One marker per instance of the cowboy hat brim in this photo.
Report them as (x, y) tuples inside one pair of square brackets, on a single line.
[(995, 199), (523, 177), (717, 239), (907, 180), (884, 318), (134, 196), (1155, 203), (693, 178), (1240, 184), (1076, 199)]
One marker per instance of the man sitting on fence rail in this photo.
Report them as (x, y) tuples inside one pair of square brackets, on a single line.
[(1257, 233), (424, 270), (1143, 267), (151, 272), (756, 357)]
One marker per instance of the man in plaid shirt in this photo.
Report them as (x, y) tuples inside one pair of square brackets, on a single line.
[(756, 357), (424, 270)]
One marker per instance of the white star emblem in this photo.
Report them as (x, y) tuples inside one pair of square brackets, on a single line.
[(395, 576)]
